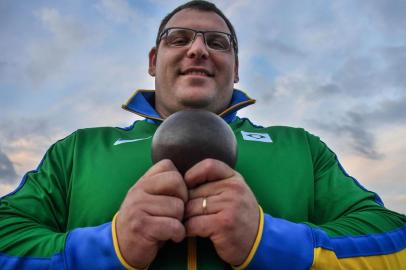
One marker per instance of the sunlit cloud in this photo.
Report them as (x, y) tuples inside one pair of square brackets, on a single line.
[(7, 171)]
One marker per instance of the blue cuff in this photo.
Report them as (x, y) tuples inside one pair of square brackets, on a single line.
[(28, 263), (91, 248), (284, 245)]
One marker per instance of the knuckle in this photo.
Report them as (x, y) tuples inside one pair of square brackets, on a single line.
[(210, 163), (179, 208), (227, 221), (138, 224), (236, 186), (177, 186), (207, 164), (179, 233), (160, 231), (131, 203), (142, 180), (166, 164), (134, 189), (175, 176), (174, 226), (189, 208), (152, 233)]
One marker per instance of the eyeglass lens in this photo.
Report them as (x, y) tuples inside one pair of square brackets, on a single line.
[(183, 37)]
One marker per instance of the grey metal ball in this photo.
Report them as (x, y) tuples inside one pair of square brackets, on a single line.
[(189, 136)]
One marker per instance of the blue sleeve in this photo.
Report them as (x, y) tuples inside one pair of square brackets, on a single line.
[(85, 248), (296, 246)]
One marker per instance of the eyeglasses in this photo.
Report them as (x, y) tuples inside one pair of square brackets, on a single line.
[(183, 37)]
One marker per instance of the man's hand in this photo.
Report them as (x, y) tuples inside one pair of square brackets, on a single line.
[(231, 217), (152, 213)]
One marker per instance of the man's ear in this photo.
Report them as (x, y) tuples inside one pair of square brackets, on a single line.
[(152, 61), (236, 77)]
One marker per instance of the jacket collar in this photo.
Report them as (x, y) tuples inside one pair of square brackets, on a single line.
[(142, 103)]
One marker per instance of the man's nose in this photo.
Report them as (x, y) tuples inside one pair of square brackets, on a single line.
[(198, 48)]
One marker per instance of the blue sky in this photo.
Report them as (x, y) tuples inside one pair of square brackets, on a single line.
[(335, 68)]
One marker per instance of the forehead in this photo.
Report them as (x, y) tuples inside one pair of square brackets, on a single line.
[(198, 20)]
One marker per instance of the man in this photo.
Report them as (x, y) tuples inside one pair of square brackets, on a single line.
[(287, 205)]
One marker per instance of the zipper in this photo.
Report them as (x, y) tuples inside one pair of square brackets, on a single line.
[(191, 253)]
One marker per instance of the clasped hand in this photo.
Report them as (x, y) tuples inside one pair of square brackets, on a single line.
[(163, 205)]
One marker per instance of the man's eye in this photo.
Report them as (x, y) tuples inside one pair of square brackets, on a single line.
[(178, 40), (218, 44)]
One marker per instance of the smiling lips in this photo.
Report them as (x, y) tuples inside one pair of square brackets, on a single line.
[(197, 71)]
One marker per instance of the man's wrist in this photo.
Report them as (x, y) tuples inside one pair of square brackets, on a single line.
[(254, 248), (117, 247)]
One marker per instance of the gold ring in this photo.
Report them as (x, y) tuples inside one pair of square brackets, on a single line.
[(204, 205)]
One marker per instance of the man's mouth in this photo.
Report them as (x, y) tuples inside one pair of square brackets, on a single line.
[(197, 72)]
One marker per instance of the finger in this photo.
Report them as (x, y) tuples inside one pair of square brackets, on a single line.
[(202, 226), (164, 206), (195, 207), (165, 228), (208, 189), (161, 166), (169, 183), (206, 171)]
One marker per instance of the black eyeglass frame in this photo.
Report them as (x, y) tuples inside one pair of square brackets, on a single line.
[(231, 38)]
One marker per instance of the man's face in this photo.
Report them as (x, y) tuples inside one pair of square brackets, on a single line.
[(193, 76)]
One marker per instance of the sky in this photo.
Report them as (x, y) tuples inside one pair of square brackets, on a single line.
[(335, 68)]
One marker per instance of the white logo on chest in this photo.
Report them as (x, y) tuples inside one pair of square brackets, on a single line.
[(257, 137)]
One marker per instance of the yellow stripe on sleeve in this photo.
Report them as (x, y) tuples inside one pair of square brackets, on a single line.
[(256, 242), (117, 247), (326, 259)]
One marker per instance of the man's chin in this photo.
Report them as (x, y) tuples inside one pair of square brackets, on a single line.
[(203, 104)]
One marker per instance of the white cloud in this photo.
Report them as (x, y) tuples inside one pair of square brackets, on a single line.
[(119, 11), (7, 171), (25, 141), (67, 31), (386, 175), (49, 53)]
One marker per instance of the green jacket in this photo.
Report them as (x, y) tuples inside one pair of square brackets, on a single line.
[(316, 216)]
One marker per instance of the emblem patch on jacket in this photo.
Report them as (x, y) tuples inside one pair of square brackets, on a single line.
[(258, 137)]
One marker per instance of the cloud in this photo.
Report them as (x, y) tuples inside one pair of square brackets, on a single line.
[(48, 54), (8, 174), (67, 31), (5, 71), (7, 10), (395, 70), (25, 140), (353, 130), (118, 11), (389, 16), (380, 73), (359, 126), (358, 76), (3, 66), (278, 48), (14, 129), (326, 90), (389, 112), (385, 176)]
